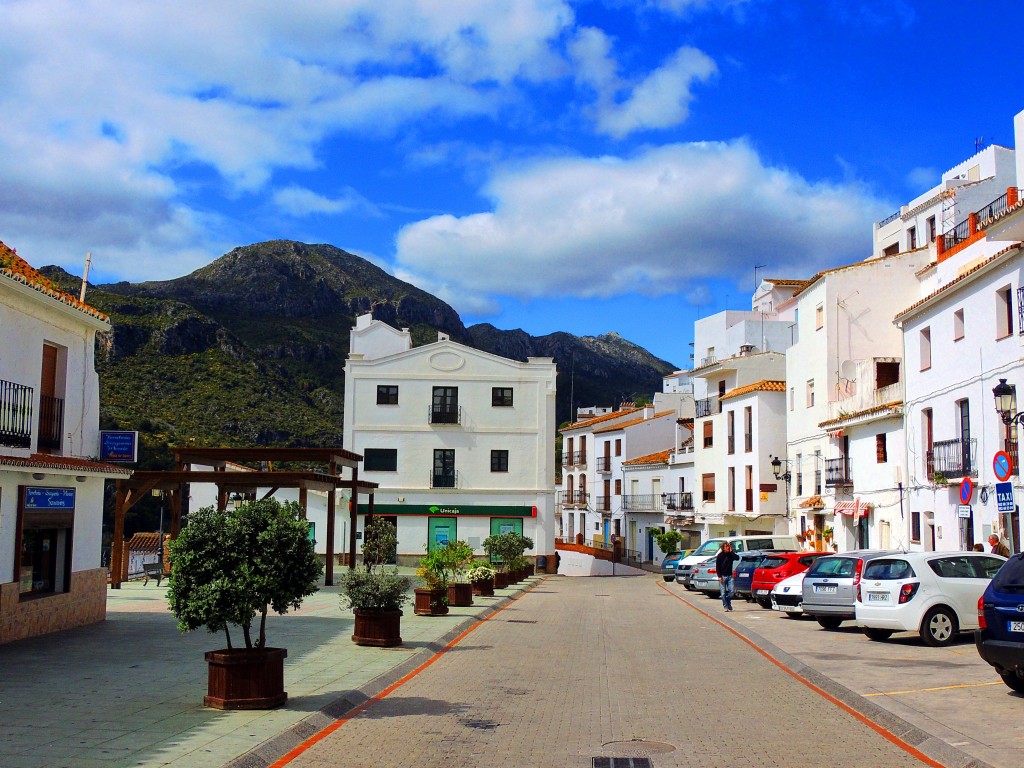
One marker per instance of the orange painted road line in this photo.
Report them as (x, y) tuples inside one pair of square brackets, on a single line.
[(821, 692), (355, 712)]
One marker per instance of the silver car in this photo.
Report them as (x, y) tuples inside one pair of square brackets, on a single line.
[(704, 578), (830, 585)]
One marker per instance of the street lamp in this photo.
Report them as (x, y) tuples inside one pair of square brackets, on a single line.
[(1004, 395), (784, 475), (160, 536)]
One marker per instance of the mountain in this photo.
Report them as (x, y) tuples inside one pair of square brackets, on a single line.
[(250, 348)]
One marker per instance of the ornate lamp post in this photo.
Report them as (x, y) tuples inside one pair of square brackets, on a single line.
[(780, 468), (1004, 395)]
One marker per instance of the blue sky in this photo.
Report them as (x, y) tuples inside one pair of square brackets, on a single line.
[(539, 164)]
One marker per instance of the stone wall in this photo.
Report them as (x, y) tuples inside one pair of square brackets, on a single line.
[(85, 603)]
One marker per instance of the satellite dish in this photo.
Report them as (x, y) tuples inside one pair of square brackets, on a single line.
[(848, 370)]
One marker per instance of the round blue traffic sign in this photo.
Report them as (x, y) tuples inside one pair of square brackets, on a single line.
[(966, 490), (1002, 465)]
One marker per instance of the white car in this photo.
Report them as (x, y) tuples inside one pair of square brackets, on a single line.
[(788, 595), (932, 593)]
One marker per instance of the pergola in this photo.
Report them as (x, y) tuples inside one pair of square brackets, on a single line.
[(172, 483)]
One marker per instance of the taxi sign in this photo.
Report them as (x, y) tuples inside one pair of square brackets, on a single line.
[(1004, 497), (1002, 465)]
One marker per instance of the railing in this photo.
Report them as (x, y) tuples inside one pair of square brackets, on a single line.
[(748, 442), (574, 458), (444, 479), (445, 414), (864, 398), (708, 406), (837, 471), (710, 360), (957, 234), (604, 464), (51, 422), (953, 458), (15, 415), (1020, 311), (677, 501), (603, 503), (642, 501), (993, 209), (730, 444), (573, 498), (1010, 446), (888, 219)]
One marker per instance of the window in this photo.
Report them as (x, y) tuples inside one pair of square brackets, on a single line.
[(792, 398), (501, 397), (926, 348), (1004, 313), (444, 469), (707, 487), (817, 472), (958, 325), (748, 429), (799, 474), (881, 455), (748, 472), (731, 488), (445, 405), (931, 229), (43, 542), (810, 393), (819, 317), (380, 459), (499, 461), (915, 527), (618, 446), (911, 238), (387, 394), (709, 435), (730, 437), (926, 439), (618, 486)]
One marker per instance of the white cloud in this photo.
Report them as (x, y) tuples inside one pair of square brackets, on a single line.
[(299, 201), (923, 178), (654, 223)]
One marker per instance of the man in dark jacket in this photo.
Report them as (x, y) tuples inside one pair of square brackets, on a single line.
[(723, 567)]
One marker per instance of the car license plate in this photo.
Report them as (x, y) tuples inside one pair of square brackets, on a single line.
[(762, 591), (878, 597), (825, 589), (1016, 626)]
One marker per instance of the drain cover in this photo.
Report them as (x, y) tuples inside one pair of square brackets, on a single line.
[(622, 762), (637, 747), (483, 725)]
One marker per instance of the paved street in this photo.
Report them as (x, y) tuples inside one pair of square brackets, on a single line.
[(576, 669)]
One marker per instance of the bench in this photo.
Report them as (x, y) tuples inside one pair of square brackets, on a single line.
[(152, 571)]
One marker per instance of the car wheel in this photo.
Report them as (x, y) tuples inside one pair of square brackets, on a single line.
[(830, 622), (691, 589), (793, 614), (939, 627), (1013, 681), (669, 578), (766, 604), (877, 634)]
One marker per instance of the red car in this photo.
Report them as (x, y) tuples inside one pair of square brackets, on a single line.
[(776, 567)]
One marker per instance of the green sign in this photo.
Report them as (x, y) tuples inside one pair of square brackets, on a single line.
[(458, 510)]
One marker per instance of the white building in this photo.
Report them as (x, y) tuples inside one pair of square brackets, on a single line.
[(51, 495), (460, 441)]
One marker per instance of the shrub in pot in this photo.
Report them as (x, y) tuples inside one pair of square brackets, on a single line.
[(460, 558), (229, 566), (503, 549), (374, 591), (435, 570), (481, 579)]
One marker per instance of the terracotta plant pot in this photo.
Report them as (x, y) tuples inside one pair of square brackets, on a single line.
[(460, 594), (484, 588), (501, 580), (242, 678), (430, 602), (381, 629)]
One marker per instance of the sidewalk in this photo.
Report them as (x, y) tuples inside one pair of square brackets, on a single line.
[(129, 691)]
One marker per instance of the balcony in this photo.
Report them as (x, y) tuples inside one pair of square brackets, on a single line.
[(15, 415), (444, 479), (604, 464), (51, 422), (444, 413), (1010, 446), (677, 503), (574, 458), (861, 399), (603, 503), (642, 502), (953, 458), (573, 498), (709, 406), (837, 472)]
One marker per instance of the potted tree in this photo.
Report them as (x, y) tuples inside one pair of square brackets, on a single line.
[(229, 566), (374, 592), (481, 579), (503, 549), (460, 558), (432, 598)]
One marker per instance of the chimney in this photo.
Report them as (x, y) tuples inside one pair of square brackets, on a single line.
[(648, 412)]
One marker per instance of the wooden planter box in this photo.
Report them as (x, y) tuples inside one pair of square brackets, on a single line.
[(484, 588), (501, 580), (381, 629), (460, 595), (242, 678), (430, 602)]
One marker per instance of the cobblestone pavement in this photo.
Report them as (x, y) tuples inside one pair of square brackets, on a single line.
[(581, 668)]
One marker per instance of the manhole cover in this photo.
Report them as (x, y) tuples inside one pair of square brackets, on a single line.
[(637, 747)]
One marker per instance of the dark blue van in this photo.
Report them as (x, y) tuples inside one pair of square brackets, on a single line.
[(1000, 640)]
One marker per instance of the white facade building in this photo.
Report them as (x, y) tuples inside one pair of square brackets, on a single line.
[(51, 495), (460, 441)]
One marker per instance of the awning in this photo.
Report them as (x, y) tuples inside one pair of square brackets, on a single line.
[(855, 508)]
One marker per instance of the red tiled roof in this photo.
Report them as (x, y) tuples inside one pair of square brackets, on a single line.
[(866, 412), (864, 262), (46, 461), (765, 385), (815, 502), (661, 457), (16, 268), (631, 422), (598, 419)]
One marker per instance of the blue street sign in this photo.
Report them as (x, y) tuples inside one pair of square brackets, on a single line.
[(53, 498), (1004, 497), (1002, 465)]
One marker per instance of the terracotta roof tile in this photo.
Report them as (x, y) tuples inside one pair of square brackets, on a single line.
[(815, 502), (46, 461), (598, 419), (765, 385), (16, 268), (631, 422), (661, 457), (866, 412)]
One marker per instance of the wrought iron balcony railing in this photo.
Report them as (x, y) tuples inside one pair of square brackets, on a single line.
[(708, 407), (573, 498), (445, 414), (603, 503), (837, 472), (678, 502), (51, 422), (15, 415), (953, 458), (604, 464), (444, 479)]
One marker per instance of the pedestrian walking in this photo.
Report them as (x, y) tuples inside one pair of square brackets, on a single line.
[(998, 548), (723, 567)]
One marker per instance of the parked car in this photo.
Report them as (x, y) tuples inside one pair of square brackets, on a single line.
[(668, 565), (743, 573), (704, 578), (774, 568), (830, 585), (1000, 636), (740, 544), (788, 596), (932, 593)]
